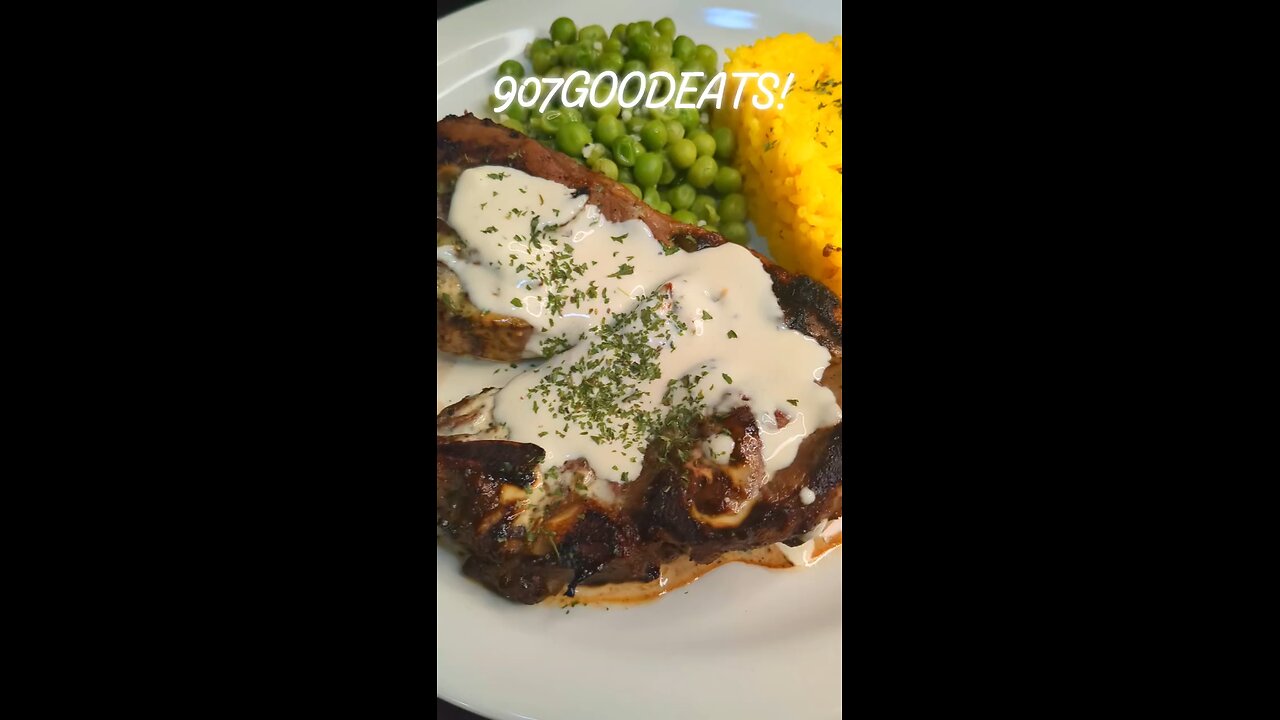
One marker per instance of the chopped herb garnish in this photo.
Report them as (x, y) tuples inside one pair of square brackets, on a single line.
[(794, 402), (727, 378), (732, 334), (489, 230), (625, 269), (517, 302), (497, 176), (618, 238), (706, 315)]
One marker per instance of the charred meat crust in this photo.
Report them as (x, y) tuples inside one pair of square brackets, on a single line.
[(809, 307), (461, 329), (594, 544), (775, 518)]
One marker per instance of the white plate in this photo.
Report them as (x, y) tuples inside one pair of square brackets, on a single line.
[(741, 643)]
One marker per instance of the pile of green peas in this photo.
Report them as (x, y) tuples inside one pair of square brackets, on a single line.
[(670, 158)]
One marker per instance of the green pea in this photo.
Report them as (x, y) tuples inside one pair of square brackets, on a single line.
[(625, 151), (684, 216), (571, 114), (575, 56), (636, 124), (675, 131), (661, 48), (563, 30), (540, 44), (516, 111), (542, 61), (641, 47), (688, 117), (592, 33), (724, 143), (571, 138), (705, 144), (511, 68), (704, 206), (536, 123), (609, 129), (610, 61), (666, 65), (625, 176), (648, 169), (652, 197), (668, 172), (612, 109), (708, 56), (728, 180), (682, 48), (645, 27), (605, 167), (631, 66), (654, 134), (510, 122), (555, 71), (664, 207), (635, 30), (733, 207), (552, 120), (619, 33), (734, 231), (683, 152), (682, 196), (666, 27), (703, 172), (634, 189), (613, 46)]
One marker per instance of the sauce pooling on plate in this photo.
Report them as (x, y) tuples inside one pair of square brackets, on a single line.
[(641, 339)]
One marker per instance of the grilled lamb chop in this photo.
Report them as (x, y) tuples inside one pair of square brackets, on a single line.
[(683, 502), (468, 141)]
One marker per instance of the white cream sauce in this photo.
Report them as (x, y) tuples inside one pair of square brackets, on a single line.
[(806, 553), (717, 319), (458, 377)]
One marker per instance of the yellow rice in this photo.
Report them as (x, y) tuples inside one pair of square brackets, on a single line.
[(791, 158)]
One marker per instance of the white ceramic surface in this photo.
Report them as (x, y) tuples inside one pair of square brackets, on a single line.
[(741, 643)]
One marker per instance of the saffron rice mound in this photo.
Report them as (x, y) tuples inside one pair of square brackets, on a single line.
[(790, 155)]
